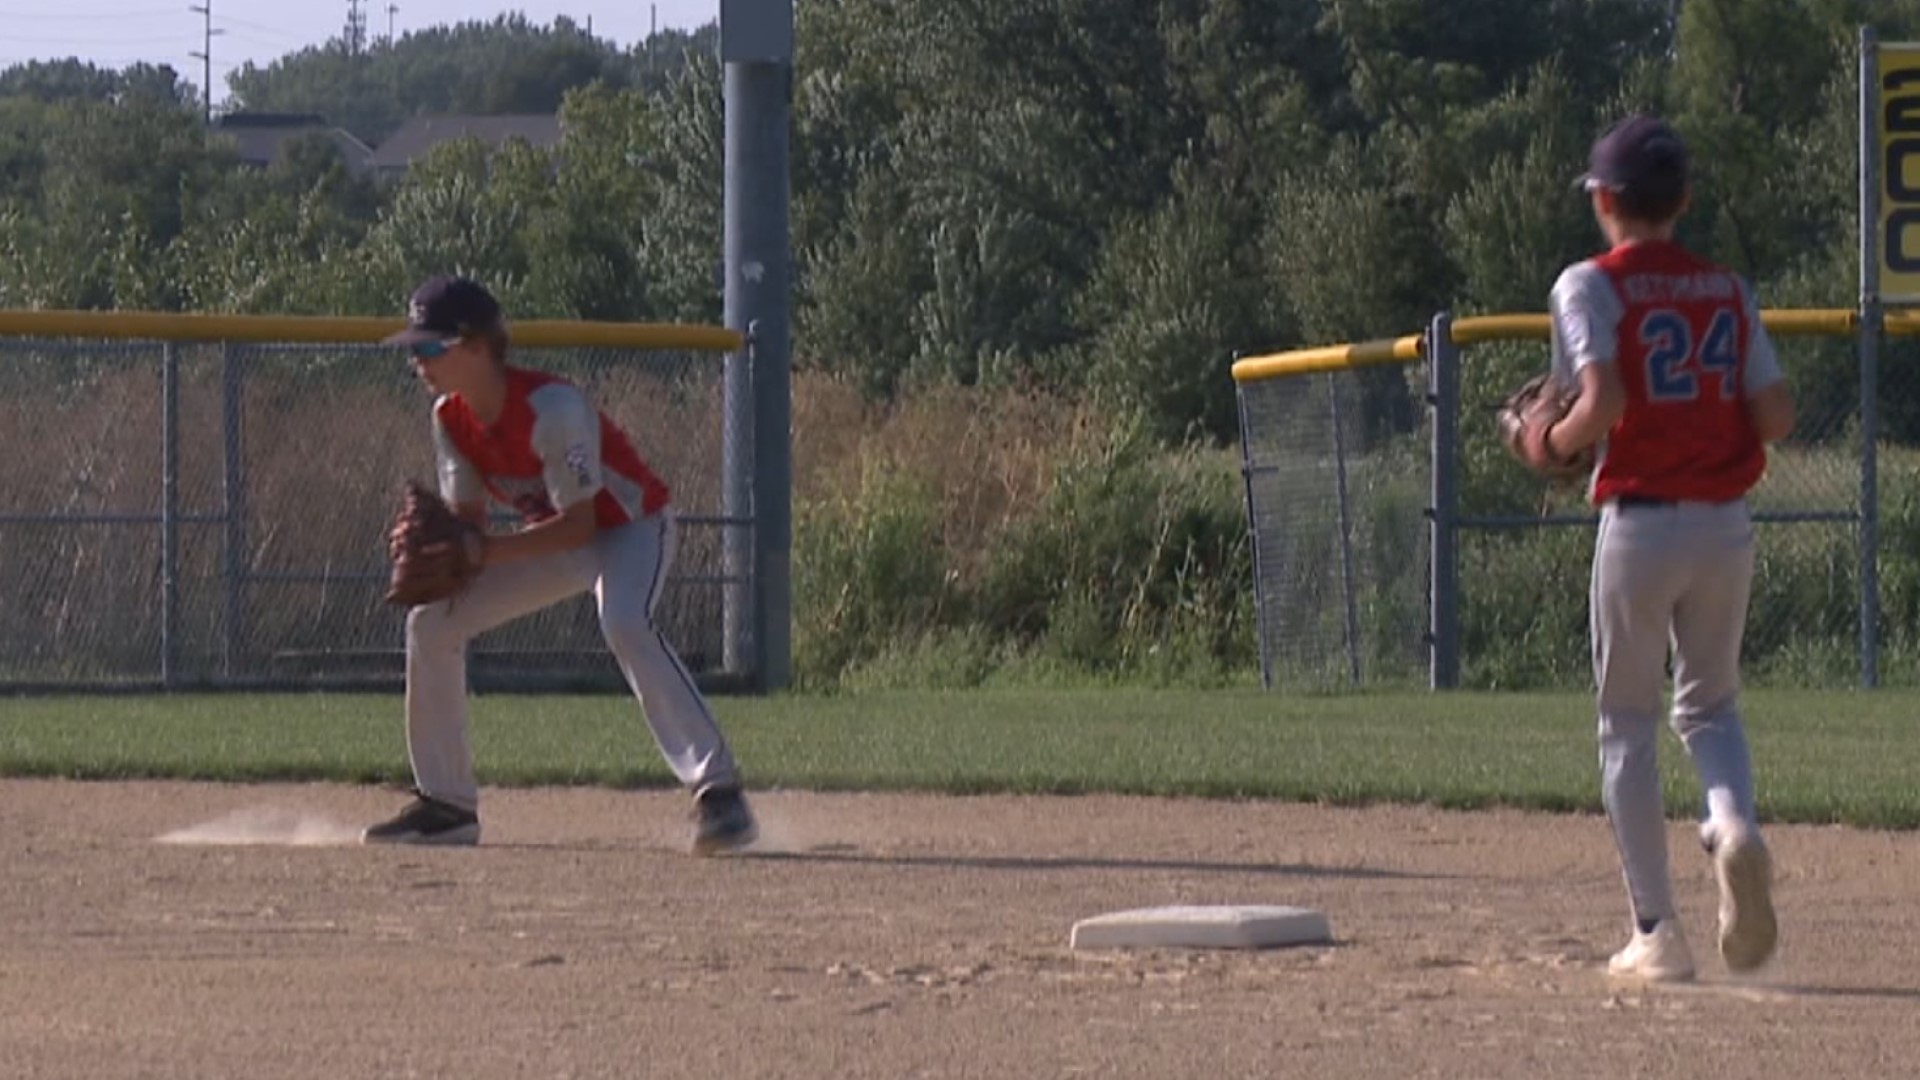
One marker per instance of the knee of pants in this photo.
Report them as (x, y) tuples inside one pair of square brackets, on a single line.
[(1690, 722), (1629, 698), (630, 635), (1626, 734), (428, 628)]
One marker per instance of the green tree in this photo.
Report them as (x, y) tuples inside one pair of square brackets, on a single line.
[(1176, 295), (1748, 74), (100, 200), (71, 80), (857, 287), (677, 244), (1517, 222), (462, 209), (509, 65)]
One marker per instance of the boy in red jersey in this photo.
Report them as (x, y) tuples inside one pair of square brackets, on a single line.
[(1681, 389), (596, 517)]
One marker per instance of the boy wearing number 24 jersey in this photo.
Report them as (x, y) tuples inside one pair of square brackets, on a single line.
[(1680, 388)]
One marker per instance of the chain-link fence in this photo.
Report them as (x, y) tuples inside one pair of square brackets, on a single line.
[(1337, 486), (1351, 520), (199, 514)]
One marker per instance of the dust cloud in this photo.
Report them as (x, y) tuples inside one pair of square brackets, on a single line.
[(274, 826)]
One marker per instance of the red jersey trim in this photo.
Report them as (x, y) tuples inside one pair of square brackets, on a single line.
[(513, 473)]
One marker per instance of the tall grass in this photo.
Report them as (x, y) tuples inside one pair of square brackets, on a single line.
[(961, 537)]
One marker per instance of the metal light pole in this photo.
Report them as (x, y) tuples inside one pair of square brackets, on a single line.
[(756, 49), (1868, 345)]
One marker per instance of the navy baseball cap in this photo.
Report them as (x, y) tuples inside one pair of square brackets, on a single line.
[(446, 307), (1639, 154)]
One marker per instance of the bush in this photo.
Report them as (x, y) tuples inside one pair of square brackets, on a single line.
[(1136, 559), (1126, 559), (869, 571), (1523, 617)]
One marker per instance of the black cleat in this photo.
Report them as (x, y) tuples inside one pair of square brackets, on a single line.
[(723, 821), (427, 820)]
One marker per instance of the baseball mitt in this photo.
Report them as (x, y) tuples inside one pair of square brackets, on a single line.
[(435, 555), (1524, 418)]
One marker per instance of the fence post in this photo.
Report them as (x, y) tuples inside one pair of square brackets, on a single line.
[(737, 511), (756, 48), (233, 554), (1443, 394), (1869, 358), (169, 513), (1870, 329)]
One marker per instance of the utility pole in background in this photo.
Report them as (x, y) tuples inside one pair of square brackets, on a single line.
[(356, 32), (392, 10), (205, 56)]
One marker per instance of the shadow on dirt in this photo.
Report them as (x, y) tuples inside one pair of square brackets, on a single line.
[(999, 862)]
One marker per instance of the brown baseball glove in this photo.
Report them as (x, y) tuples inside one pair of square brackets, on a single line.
[(1524, 418), (435, 554)]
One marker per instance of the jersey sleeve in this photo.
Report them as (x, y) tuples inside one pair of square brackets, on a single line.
[(1762, 361), (566, 436), (459, 480), (1585, 315)]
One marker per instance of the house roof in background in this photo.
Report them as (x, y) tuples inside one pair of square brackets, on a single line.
[(422, 133), (261, 138), (269, 119)]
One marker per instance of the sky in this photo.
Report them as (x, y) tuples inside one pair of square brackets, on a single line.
[(116, 33)]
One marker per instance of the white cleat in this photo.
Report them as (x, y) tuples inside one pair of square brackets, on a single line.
[(1748, 930), (1661, 956)]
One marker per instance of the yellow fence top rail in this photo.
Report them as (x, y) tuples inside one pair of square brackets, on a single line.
[(1785, 322), (163, 326), (1401, 350)]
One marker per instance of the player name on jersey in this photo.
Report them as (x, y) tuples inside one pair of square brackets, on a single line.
[(1678, 288)]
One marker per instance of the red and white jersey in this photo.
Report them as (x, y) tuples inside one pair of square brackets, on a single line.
[(1686, 339), (548, 450)]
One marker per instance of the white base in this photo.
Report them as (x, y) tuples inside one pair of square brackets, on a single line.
[(1244, 927)]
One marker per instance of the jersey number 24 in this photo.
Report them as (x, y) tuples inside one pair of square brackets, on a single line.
[(1675, 361)]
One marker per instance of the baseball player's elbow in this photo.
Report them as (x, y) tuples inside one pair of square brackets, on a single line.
[(579, 523), (1772, 413), (1609, 403), (1592, 418), (1603, 397)]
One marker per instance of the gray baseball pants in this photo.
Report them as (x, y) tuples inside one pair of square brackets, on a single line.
[(1669, 577), (625, 567)]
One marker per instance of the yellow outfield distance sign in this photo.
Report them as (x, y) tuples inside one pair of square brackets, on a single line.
[(1897, 122)]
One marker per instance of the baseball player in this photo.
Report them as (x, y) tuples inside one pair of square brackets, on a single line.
[(596, 518), (1681, 389)]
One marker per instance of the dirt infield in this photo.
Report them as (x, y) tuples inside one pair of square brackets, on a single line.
[(899, 936)]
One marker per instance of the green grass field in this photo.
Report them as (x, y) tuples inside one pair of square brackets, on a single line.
[(1820, 757)]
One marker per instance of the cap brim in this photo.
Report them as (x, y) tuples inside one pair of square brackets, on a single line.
[(413, 336)]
